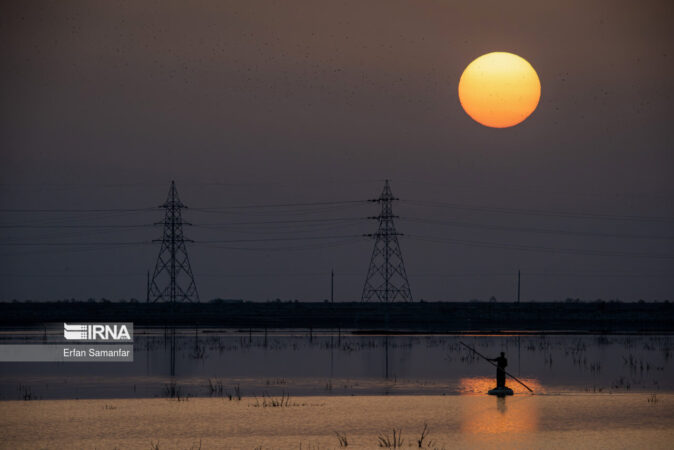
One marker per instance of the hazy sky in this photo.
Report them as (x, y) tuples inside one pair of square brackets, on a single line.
[(266, 102)]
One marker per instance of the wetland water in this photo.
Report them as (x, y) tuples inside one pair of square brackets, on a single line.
[(455, 421), (209, 362)]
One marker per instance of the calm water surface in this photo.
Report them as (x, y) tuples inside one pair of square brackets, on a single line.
[(454, 421), (224, 362)]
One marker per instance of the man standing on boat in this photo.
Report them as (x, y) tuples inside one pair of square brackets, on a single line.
[(502, 363)]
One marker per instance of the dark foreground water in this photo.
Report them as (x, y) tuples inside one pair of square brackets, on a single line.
[(226, 363)]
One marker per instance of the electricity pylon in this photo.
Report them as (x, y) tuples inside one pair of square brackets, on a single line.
[(173, 279), (386, 277)]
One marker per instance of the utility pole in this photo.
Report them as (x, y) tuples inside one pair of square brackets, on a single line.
[(173, 279), (518, 285), (332, 286), (147, 288), (386, 278)]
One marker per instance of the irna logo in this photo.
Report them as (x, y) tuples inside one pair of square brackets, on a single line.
[(96, 332)]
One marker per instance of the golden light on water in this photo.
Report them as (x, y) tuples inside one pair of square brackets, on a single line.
[(507, 415), (482, 385), (498, 415), (499, 89)]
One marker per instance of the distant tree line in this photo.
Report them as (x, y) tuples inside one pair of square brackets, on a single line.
[(219, 300)]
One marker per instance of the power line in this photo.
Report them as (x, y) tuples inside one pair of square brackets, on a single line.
[(200, 225), (225, 241), (67, 244), (66, 220), (68, 250), (277, 205), (75, 210), (214, 209), (361, 202), (544, 274), (295, 211), (303, 238), (281, 231), (73, 226), (340, 243), (537, 212), (280, 222), (532, 248), (528, 188), (294, 182), (349, 222), (535, 230), (353, 274)]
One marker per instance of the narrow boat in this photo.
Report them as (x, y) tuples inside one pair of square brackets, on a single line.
[(500, 391)]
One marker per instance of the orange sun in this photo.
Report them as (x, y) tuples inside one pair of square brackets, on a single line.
[(499, 89)]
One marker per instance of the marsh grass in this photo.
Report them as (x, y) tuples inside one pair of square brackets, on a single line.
[(341, 437), (274, 402), (395, 440), (26, 393), (173, 390), (215, 387), (199, 352), (421, 442), (155, 445)]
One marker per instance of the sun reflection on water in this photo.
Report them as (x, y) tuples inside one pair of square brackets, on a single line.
[(496, 415), (507, 416), (481, 385)]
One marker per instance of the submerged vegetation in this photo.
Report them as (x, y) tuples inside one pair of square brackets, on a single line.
[(338, 363), (26, 393), (216, 388), (174, 391)]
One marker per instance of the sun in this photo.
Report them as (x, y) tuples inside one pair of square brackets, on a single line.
[(499, 89)]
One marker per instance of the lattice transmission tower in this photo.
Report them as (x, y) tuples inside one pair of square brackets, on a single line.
[(386, 277), (173, 280)]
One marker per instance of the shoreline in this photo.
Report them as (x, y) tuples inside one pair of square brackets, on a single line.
[(419, 317)]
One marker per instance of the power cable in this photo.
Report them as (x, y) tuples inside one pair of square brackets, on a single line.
[(531, 248), (535, 212), (534, 230)]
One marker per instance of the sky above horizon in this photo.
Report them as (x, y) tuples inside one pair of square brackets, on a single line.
[(312, 104)]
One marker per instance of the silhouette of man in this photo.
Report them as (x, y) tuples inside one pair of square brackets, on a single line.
[(501, 364)]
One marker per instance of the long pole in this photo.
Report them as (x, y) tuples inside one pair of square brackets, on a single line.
[(490, 362)]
